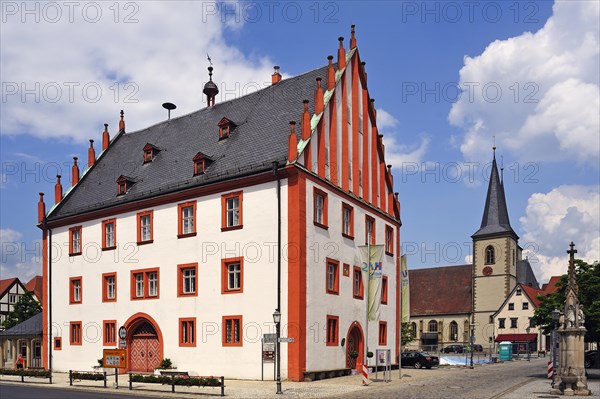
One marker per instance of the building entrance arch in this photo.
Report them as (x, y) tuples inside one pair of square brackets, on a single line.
[(144, 343), (355, 343)]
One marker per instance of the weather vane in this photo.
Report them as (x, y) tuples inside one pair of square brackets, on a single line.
[(209, 60)]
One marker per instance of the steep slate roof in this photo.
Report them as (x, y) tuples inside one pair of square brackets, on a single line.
[(30, 327), (35, 285), (6, 284), (261, 137), (495, 213), (441, 290), (525, 274)]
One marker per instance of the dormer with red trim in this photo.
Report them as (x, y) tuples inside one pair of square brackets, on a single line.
[(201, 162), (225, 128), (150, 152), (124, 183)]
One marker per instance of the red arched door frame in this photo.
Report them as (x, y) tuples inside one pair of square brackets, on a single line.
[(356, 327), (131, 324)]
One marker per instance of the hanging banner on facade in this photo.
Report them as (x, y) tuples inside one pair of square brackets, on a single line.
[(372, 267), (405, 289)]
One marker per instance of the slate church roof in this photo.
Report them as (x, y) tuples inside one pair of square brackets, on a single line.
[(259, 138)]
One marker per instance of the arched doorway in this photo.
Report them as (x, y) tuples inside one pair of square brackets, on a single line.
[(144, 343), (355, 342)]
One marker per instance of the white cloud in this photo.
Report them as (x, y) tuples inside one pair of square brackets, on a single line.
[(399, 154), (19, 258), (549, 86), (552, 220), (136, 66)]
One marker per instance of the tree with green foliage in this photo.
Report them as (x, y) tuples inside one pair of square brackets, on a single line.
[(406, 335), (25, 308), (588, 281)]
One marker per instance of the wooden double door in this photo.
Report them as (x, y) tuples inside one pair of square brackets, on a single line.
[(144, 349)]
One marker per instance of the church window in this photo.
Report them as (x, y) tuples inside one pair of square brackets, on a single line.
[(453, 331), (413, 328), (490, 256), (433, 326)]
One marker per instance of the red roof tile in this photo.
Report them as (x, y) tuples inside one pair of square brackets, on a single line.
[(552, 285), (532, 293), (6, 284), (441, 290), (35, 285)]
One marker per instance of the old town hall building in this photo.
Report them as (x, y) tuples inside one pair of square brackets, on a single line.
[(186, 232)]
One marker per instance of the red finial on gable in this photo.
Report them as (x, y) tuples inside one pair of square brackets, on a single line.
[(105, 137), (341, 54), (41, 208), (58, 192), (292, 143), (352, 38), (305, 122), (75, 172), (122, 121), (319, 98), (330, 74), (91, 154)]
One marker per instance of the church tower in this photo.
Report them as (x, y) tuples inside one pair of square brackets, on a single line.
[(496, 254)]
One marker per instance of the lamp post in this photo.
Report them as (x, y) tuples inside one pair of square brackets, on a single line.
[(555, 317), (471, 339), (277, 320), (528, 349)]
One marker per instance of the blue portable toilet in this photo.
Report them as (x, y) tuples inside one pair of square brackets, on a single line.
[(505, 350)]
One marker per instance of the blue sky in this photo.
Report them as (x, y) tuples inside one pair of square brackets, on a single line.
[(527, 71)]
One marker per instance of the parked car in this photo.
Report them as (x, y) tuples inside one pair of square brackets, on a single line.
[(454, 349), (419, 360), (590, 358)]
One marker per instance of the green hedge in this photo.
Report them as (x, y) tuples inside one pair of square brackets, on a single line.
[(26, 373), (184, 381), (87, 376)]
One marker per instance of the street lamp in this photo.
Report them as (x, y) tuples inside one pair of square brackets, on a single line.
[(472, 340), (555, 317), (527, 340), (277, 320)]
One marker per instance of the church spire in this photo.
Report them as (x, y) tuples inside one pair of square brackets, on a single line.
[(495, 219)]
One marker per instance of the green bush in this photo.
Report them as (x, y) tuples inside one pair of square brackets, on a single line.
[(87, 376), (26, 373), (166, 363), (183, 381)]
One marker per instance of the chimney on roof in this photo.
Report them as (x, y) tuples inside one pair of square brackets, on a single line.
[(122, 122), (364, 70), (276, 77), (210, 89), (330, 74), (374, 110), (352, 38), (319, 98), (58, 193), (41, 208), (305, 121), (292, 143), (91, 154), (341, 54), (75, 172), (105, 137), (389, 169)]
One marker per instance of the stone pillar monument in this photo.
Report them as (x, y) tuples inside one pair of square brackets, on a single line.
[(570, 378)]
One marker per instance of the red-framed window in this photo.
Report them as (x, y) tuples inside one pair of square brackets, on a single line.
[(145, 227), (109, 234), (332, 330), (320, 206), (145, 284), (232, 331), (369, 229), (232, 275), (187, 280), (121, 187), (357, 283), (75, 241), (232, 211), (109, 287), (75, 333), (332, 276), (186, 219), (187, 331), (389, 240), (57, 343), (383, 333), (75, 290), (199, 166), (384, 290), (347, 221), (109, 336)]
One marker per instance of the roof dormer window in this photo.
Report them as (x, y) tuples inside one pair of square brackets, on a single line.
[(201, 161), (150, 152), (124, 183), (225, 128)]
